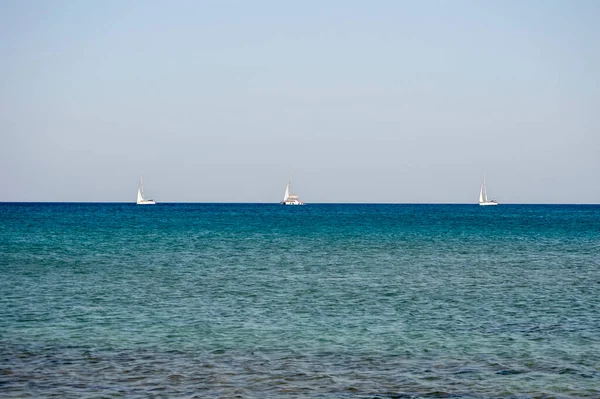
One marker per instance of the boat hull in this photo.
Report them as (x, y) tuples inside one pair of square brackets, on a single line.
[(146, 202), (292, 203), (488, 203)]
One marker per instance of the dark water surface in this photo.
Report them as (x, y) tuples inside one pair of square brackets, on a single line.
[(320, 301)]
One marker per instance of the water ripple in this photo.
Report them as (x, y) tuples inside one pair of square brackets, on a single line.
[(258, 301)]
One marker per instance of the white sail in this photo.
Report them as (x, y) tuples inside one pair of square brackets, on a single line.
[(483, 192), (288, 198), (483, 198), (287, 192), (140, 195)]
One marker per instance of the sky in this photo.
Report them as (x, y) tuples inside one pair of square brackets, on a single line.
[(362, 101)]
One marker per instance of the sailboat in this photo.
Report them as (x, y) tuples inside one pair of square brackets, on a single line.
[(140, 196), (289, 199), (483, 198)]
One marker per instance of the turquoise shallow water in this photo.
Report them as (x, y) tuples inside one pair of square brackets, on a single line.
[(320, 301)]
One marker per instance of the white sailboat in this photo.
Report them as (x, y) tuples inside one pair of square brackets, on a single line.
[(140, 195), (483, 198), (289, 199)]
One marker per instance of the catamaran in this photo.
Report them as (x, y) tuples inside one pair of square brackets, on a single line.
[(140, 196), (289, 199), (483, 198)]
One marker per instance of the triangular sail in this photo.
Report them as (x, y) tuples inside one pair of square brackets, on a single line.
[(485, 199), (140, 196), (287, 192)]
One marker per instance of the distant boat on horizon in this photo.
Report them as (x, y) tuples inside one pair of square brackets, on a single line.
[(289, 199), (140, 195), (483, 198)]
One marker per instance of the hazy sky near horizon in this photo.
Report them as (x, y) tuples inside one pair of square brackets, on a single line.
[(383, 101)]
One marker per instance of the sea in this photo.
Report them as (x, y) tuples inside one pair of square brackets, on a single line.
[(317, 301)]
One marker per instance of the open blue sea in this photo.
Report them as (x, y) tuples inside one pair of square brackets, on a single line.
[(320, 301)]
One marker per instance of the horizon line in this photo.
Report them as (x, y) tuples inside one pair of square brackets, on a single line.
[(311, 203)]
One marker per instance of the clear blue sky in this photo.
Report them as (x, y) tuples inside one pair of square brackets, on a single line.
[(383, 101)]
